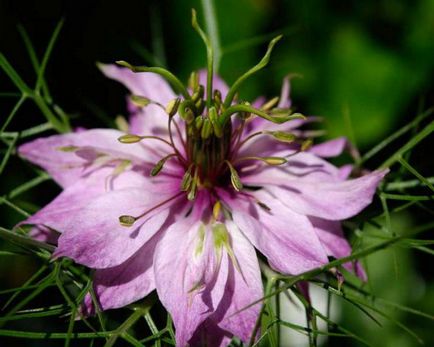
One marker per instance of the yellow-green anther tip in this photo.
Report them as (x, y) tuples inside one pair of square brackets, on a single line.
[(275, 160), (129, 138), (140, 101), (126, 220)]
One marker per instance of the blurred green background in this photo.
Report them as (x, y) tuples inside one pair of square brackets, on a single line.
[(365, 66)]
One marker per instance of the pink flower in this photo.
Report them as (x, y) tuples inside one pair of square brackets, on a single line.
[(182, 207)]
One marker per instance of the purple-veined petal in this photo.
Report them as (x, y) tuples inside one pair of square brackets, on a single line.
[(174, 282), (332, 237), (147, 84), (126, 283), (189, 280), (58, 213), (52, 154), (329, 200), (285, 237), (244, 287), (95, 238), (301, 166), (334, 148), (285, 101)]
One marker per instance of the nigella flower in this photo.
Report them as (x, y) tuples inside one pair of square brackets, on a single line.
[(184, 199)]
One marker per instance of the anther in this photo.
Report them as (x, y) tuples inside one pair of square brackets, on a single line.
[(270, 104), (206, 129), (187, 179), (263, 206), (305, 145), (187, 115), (282, 136), (198, 122), (140, 101), (212, 114), (172, 107), (216, 210), (193, 81), (130, 138), (193, 186), (68, 148), (159, 166), (126, 220), (198, 94), (235, 179), (274, 161)]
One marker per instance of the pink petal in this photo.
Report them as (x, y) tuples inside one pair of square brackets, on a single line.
[(285, 237), (234, 313), (301, 166), (64, 208), (95, 238), (285, 101), (332, 237), (334, 148), (189, 283), (126, 283), (66, 167), (328, 200), (149, 85)]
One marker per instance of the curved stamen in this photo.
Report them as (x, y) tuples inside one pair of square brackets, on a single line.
[(128, 221), (159, 166), (143, 101), (274, 161), (235, 179)]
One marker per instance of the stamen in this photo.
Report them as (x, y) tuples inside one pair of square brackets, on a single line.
[(212, 114), (187, 179), (270, 104), (140, 101), (264, 206), (198, 122), (172, 107), (193, 186), (206, 131), (68, 148), (282, 136), (159, 166), (235, 179), (274, 161), (198, 94), (121, 123), (307, 144), (128, 221), (216, 209), (193, 81), (131, 138)]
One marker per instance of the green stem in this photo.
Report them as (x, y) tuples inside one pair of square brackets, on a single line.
[(209, 57), (171, 78), (212, 28), (264, 61)]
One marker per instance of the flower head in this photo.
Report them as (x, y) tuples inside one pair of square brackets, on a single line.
[(182, 201)]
